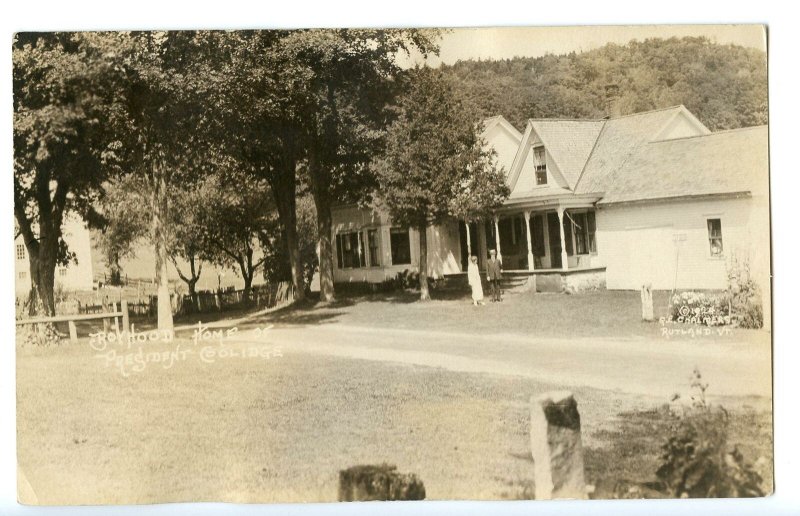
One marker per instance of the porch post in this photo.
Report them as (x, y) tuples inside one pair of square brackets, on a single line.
[(564, 258), (527, 214), (469, 241), (497, 237)]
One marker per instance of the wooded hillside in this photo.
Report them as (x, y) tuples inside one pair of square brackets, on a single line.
[(724, 85)]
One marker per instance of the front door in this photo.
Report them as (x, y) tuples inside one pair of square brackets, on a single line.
[(554, 234)]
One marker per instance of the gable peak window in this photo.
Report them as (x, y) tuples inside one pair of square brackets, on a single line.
[(540, 165)]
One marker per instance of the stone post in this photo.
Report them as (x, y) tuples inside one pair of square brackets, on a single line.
[(647, 302), (556, 447), (73, 331)]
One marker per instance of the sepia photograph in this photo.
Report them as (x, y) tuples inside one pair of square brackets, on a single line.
[(391, 264)]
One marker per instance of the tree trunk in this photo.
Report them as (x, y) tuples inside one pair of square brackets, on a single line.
[(424, 294), (162, 253), (248, 271), (33, 296), (43, 256), (248, 286), (193, 294), (322, 200), (283, 186)]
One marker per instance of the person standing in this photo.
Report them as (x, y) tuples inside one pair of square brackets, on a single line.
[(494, 273), (474, 279)]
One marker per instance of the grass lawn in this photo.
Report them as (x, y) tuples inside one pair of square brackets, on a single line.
[(256, 430), (601, 313)]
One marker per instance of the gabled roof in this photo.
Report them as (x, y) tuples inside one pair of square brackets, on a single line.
[(489, 123), (569, 142), (664, 153), (620, 138), (725, 162)]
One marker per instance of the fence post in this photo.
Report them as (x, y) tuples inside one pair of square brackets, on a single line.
[(126, 320), (104, 307), (116, 319), (73, 331)]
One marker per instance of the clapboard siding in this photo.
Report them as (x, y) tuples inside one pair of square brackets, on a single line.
[(666, 243), (444, 251)]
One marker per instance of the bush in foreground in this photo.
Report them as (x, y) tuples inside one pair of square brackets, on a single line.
[(697, 461)]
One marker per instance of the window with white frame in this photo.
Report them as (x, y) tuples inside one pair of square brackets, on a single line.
[(540, 165), (714, 236), (62, 271), (401, 246), (583, 228), (22, 275), (20, 251), (350, 252)]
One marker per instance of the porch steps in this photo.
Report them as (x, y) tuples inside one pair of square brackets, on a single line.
[(511, 282)]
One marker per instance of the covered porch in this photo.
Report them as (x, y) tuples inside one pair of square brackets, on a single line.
[(553, 240)]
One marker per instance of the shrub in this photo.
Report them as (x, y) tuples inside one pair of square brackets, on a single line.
[(696, 460), (745, 295), (407, 279)]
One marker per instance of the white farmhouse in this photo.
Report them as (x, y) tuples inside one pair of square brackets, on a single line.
[(75, 276), (652, 197)]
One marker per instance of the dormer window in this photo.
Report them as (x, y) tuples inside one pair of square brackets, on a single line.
[(540, 165)]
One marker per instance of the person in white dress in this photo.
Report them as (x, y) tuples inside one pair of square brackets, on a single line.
[(474, 279)]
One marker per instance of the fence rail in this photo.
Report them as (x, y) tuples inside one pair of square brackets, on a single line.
[(267, 295), (70, 319)]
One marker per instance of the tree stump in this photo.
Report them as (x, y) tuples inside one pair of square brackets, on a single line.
[(378, 482)]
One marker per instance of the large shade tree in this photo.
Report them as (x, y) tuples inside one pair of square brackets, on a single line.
[(64, 90), (259, 103), (165, 131), (436, 165), (342, 83)]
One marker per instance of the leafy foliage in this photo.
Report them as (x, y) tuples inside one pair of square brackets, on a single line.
[(435, 164), (64, 89), (238, 216), (697, 461), (277, 266), (745, 295), (724, 85)]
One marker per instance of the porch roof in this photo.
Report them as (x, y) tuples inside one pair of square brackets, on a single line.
[(552, 197)]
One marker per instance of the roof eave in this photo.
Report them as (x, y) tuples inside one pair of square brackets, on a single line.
[(677, 198)]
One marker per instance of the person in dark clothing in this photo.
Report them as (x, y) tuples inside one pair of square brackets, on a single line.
[(494, 273)]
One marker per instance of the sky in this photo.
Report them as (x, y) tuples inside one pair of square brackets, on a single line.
[(508, 42)]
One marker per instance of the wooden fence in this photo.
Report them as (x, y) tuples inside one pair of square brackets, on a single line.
[(264, 296), (107, 317)]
